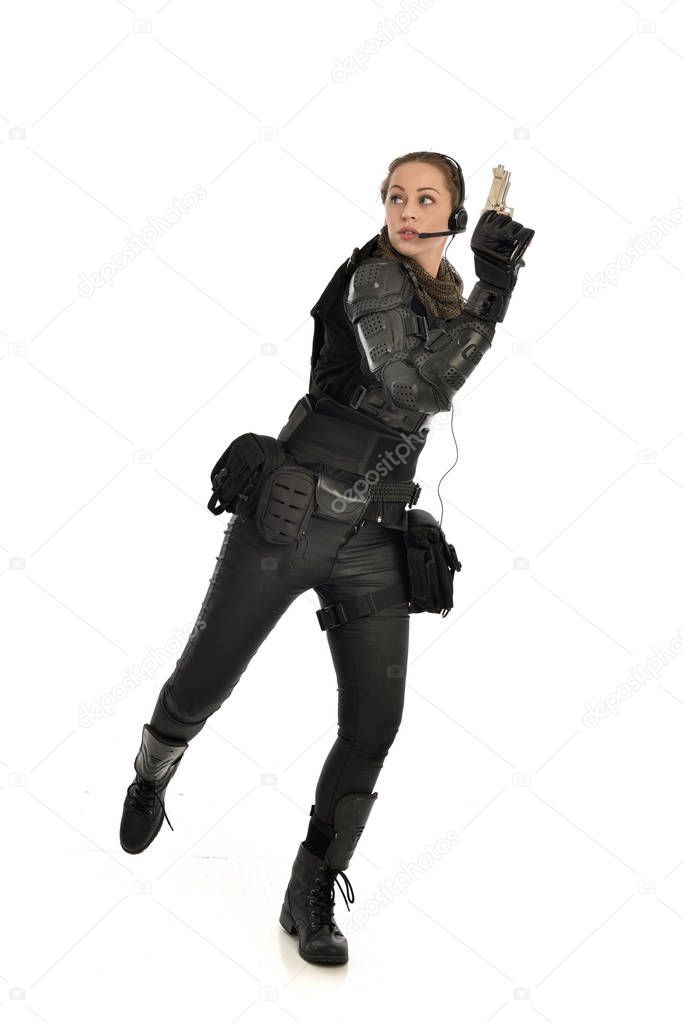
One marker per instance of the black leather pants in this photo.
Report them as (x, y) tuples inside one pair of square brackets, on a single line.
[(253, 584)]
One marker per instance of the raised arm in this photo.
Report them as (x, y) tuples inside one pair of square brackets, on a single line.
[(421, 369)]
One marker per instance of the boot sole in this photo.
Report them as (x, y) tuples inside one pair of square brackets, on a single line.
[(287, 922)]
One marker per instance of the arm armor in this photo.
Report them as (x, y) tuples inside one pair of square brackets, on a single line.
[(420, 369)]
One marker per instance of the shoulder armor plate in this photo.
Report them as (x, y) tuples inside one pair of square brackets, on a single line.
[(377, 284)]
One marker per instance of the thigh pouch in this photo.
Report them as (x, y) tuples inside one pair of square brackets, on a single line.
[(432, 564)]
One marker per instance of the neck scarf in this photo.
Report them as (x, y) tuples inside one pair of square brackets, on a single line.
[(442, 295)]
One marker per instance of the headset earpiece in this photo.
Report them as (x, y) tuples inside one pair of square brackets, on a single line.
[(457, 222)]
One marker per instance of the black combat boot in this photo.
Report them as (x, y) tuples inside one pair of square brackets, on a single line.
[(143, 808), (308, 907)]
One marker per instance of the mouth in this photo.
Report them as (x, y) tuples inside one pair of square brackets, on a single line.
[(407, 233)]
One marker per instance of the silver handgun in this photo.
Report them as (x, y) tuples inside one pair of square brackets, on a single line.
[(499, 190)]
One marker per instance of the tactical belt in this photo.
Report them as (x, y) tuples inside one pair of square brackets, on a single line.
[(405, 493)]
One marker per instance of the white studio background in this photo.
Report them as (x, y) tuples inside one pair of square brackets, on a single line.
[(523, 860)]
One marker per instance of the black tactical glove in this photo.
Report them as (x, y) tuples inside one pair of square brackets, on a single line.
[(498, 243)]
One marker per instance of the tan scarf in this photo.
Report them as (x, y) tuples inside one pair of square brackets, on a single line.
[(442, 295)]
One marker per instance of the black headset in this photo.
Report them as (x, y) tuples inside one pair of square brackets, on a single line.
[(457, 222)]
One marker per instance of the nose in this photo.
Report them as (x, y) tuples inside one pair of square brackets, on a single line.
[(407, 211)]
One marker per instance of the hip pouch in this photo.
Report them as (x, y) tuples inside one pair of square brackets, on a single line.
[(336, 499), (432, 563), (286, 501), (236, 474)]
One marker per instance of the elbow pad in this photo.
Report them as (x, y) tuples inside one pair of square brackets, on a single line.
[(377, 303), (410, 389), (450, 360)]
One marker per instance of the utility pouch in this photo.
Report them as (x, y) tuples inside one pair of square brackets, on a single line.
[(432, 564), (236, 474), (286, 500), (335, 499)]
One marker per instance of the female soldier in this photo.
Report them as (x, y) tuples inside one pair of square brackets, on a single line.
[(393, 342)]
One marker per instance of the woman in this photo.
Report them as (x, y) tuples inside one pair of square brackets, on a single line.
[(393, 342)]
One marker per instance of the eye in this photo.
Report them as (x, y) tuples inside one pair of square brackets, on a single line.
[(397, 196)]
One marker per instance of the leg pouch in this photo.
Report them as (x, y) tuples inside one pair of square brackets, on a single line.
[(432, 563), (285, 504)]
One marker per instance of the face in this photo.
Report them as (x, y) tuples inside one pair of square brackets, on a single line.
[(418, 198)]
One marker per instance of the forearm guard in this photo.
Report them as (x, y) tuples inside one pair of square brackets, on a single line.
[(488, 303)]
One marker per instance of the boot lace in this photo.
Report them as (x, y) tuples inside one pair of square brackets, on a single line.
[(143, 795), (321, 896)]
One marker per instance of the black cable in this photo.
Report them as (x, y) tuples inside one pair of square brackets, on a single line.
[(448, 470), (457, 453)]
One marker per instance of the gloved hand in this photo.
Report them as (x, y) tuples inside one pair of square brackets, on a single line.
[(498, 243)]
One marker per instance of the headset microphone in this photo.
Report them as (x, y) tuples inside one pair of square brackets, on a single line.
[(433, 234)]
